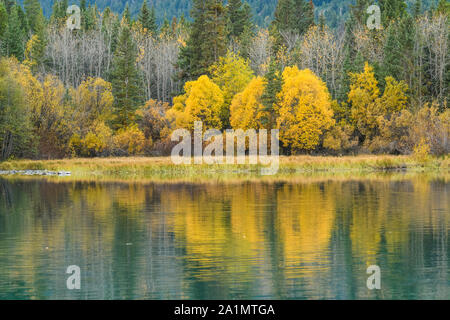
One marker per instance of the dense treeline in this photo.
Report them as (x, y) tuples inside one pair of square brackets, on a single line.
[(120, 85), (335, 12)]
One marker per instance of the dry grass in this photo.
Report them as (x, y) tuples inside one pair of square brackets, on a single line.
[(162, 167)]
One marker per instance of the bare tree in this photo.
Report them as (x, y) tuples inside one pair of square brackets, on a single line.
[(260, 51), (321, 51)]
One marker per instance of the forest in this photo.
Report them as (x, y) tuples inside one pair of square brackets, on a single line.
[(121, 84)]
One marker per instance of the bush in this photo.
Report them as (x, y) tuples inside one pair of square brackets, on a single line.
[(403, 132), (339, 139), (97, 142), (422, 151), (130, 141)]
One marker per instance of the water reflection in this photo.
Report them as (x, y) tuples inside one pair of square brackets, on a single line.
[(282, 240)]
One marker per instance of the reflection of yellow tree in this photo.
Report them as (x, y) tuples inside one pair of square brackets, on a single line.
[(305, 220), (225, 230), (220, 237), (200, 223)]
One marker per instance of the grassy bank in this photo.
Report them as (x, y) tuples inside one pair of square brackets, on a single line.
[(162, 167)]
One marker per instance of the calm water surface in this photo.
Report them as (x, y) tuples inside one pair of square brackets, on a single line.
[(302, 239)]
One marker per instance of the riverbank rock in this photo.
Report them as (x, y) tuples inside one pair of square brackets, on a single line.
[(35, 173)]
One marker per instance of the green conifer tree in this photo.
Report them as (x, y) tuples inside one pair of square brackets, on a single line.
[(13, 39), (207, 39), (147, 18), (392, 10), (3, 20), (126, 15), (34, 15), (238, 17), (125, 80), (274, 82)]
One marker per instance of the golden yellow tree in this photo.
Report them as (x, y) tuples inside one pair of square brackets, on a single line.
[(53, 125), (203, 101), (367, 105), (32, 88), (247, 110), (93, 100), (304, 109), (232, 74), (130, 141)]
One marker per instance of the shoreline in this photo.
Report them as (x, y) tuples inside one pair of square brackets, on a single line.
[(163, 168)]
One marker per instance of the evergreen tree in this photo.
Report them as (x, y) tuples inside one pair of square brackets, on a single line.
[(59, 12), (417, 10), (238, 18), (34, 16), (358, 12), (398, 50), (443, 7), (3, 20), (273, 85), (23, 21), (214, 44), (152, 25), (292, 16), (322, 22), (8, 4), (147, 18), (36, 22), (13, 39), (165, 28), (126, 16), (283, 16), (353, 62), (392, 10), (88, 18), (125, 80), (392, 59), (206, 41), (303, 15)]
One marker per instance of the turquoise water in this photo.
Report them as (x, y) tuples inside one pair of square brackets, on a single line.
[(303, 239)]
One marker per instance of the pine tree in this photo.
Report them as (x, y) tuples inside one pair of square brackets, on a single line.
[(398, 50), (147, 18), (125, 80), (59, 12), (88, 18), (13, 39), (291, 16), (392, 59), (392, 10), (353, 62), (34, 15), (36, 21), (322, 22), (443, 7), (273, 85), (126, 16), (3, 20), (152, 25), (417, 8), (238, 17), (8, 5), (214, 45), (283, 16), (358, 12), (303, 15), (23, 21), (207, 39)]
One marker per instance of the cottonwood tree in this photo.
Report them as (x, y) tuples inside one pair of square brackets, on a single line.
[(322, 52), (260, 51)]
